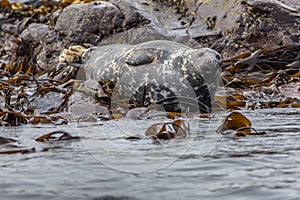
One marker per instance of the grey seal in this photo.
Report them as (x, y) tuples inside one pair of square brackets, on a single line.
[(162, 73)]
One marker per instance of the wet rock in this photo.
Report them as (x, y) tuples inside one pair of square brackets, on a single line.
[(166, 22), (262, 24), (91, 22), (219, 14), (83, 108), (10, 28), (46, 43), (136, 113), (88, 22), (148, 33), (1, 16), (131, 14), (8, 32), (39, 33)]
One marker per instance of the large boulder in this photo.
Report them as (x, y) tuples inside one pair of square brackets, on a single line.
[(88, 22), (169, 20), (266, 24), (92, 22)]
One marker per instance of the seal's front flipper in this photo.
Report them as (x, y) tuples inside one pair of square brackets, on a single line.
[(145, 56)]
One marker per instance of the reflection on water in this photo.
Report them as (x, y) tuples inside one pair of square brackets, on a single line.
[(204, 165)]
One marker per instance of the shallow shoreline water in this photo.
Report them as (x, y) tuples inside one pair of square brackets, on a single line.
[(262, 166)]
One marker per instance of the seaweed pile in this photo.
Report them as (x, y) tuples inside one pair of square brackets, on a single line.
[(257, 78), (25, 94)]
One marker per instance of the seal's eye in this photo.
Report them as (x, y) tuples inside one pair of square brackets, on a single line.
[(218, 57)]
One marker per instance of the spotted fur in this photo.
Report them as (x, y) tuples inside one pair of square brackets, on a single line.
[(162, 73)]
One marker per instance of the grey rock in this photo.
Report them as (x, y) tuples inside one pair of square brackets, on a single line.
[(259, 24), (220, 15), (135, 36), (136, 113), (164, 24), (46, 42), (88, 22), (39, 33), (91, 22), (10, 28)]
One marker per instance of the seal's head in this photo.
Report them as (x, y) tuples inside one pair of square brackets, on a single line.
[(209, 64)]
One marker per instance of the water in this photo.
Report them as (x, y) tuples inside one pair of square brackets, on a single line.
[(203, 166)]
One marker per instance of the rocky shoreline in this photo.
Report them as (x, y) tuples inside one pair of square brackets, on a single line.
[(230, 27), (258, 40)]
